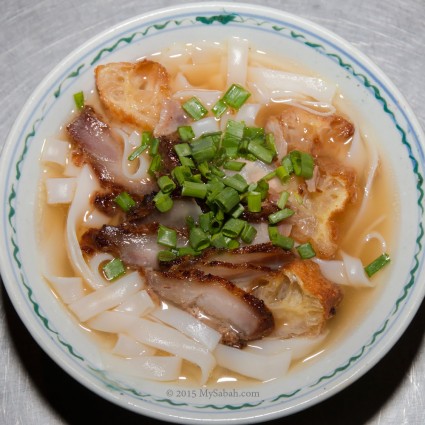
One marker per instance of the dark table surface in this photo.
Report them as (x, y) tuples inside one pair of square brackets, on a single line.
[(35, 36)]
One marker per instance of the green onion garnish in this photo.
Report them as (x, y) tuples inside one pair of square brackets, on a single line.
[(302, 163), (260, 152), (227, 199), (233, 227), (166, 184), (153, 142), (188, 162), (183, 149), (205, 221), (194, 108), (237, 182), (165, 256), (287, 164), (125, 201), (232, 243), (204, 149), (306, 251), (113, 269), (137, 152), (236, 96), (219, 108), (236, 212), (248, 233), (163, 202), (277, 239), (280, 215), (282, 173), (219, 241), (234, 165), (79, 100), (198, 239), (254, 201), (269, 176), (233, 135), (186, 132), (155, 164), (283, 199), (196, 190), (167, 236), (377, 264), (181, 173), (186, 250)]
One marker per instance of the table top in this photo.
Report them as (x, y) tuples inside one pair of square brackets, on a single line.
[(35, 36)]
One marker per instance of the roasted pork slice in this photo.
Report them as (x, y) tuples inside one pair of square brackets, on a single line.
[(313, 133), (133, 93), (104, 153), (300, 298), (136, 245), (237, 315)]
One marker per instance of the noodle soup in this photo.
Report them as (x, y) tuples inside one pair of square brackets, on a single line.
[(221, 208)]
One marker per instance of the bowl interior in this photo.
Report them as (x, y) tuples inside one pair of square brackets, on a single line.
[(375, 104)]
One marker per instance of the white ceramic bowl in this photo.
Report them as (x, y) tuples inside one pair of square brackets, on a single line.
[(377, 104)]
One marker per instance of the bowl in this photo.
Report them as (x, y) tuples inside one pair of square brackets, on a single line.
[(376, 103)]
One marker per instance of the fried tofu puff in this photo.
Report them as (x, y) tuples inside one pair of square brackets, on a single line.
[(133, 93)]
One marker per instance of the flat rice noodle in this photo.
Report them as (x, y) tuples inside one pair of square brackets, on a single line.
[(140, 304), (60, 190), (129, 347), (252, 365), (174, 342), (105, 298), (87, 186), (237, 61), (187, 324), (69, 289), (299, 347), (280, 85), (156, 368), (55, 151), (111, 321)]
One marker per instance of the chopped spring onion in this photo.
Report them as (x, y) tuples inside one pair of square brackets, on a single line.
[(270, 143), (205, 221), (188, 162), (198, 239), (186, 133), (254, 201), (283, 199), (113, 269), (227, 199), (287, 164), (167, 236), (137, 152), (234, 165), (233, 134), (153, 142), (237, 182), (254, 133), (194, 189), (183, 149), (194, 108), (165, 256), (236, 96), (263, 188), (282, 173), (260, 152), (219, 108), (204, 149), (166, 184), (232, 243), (248, 233), (233, 227), (155, 164), (125, 201), (280, 215), (79, 100), (269, 176), (163, 202), (236, 212), (377, 264), (219, 241), (302, 163), (306, 251), (181, 173), (186, 250), (277, 239)]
